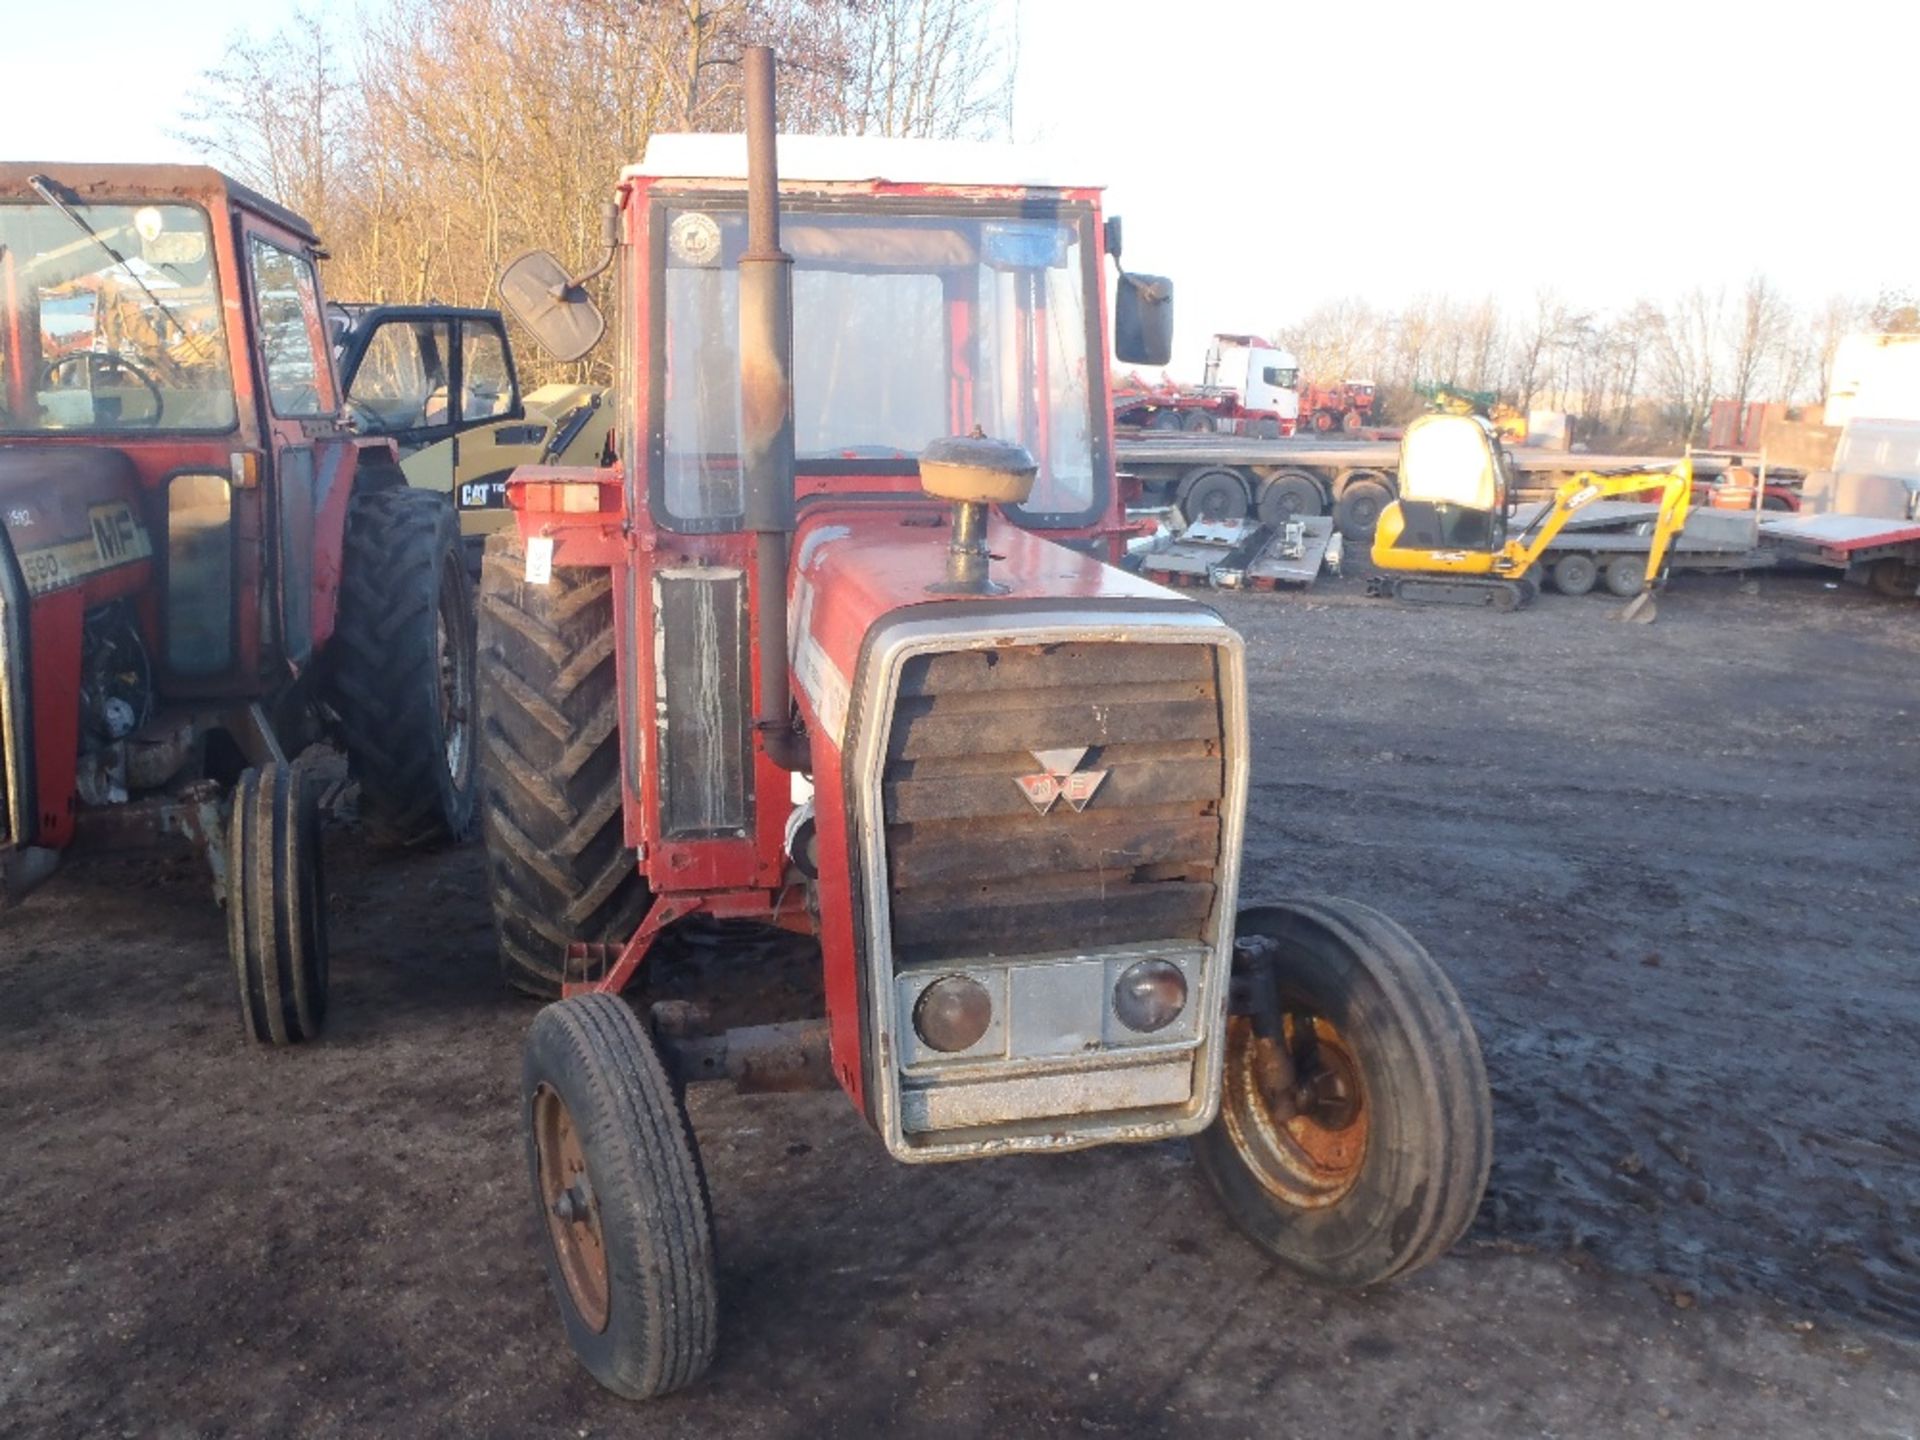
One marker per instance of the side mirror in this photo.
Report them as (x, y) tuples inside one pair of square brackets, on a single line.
[(556, 310), (1143, 319), (1112, 236)]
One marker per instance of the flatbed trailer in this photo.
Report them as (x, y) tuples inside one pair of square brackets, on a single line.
[(1608, 543), (1878, 552), (1231, 477)]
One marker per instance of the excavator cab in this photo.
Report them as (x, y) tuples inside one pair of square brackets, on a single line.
[(1455, 486)]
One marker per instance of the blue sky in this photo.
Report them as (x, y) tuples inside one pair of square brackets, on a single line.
[(1271, 157)]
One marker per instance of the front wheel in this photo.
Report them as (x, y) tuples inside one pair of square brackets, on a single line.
[(277, 905), (1356, 1128), (620, 1198)]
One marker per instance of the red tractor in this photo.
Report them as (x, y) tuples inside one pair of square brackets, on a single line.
[(840, 646), (1347, 406), (202, 569)]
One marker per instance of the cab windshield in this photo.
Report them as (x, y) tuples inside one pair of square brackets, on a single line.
[(906, 326), (110, 320)]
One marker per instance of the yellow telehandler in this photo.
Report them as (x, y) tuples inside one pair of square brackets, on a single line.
[(1446, 539)]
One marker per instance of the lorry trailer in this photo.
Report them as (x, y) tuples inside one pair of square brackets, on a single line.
[(1216, 478)]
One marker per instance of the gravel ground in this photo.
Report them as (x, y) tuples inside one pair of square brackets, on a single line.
[(1670, 868)]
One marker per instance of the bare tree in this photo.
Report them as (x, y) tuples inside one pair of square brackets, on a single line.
[(925, 68), (1343, 340), (1894, 312), (275, 113), (454, 133), (1688, 350), (1758, 332)]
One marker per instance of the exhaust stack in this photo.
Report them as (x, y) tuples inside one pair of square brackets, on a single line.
[(766, 412)]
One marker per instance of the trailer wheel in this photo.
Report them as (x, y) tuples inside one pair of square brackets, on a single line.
[(1574, 574), (1287, 496), (621, 1198), (1355, 1129), (1212, 494), (402, 667), (277, 905), (1625, 575), (1893, 578), (1197, 422), (558, 870), (1357, 511), (1163, 420)]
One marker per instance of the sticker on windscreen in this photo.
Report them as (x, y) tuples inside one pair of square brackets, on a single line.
[(694, 239)]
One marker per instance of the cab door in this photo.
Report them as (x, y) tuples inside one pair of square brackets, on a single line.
[(424, 375), (301, 406)]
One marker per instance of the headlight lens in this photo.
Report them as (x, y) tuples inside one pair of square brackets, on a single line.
[(953, 1013), (1150, 995)]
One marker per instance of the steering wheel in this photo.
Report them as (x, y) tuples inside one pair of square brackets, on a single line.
[(107, 363)]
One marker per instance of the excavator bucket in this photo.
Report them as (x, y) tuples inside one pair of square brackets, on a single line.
[(1640, 610)]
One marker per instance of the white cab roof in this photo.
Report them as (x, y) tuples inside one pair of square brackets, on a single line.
[(858, 159)]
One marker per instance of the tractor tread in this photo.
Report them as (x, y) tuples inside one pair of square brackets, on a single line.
[(558, 868), (384, 664)]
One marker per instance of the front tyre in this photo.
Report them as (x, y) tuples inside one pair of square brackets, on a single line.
[(620, 1197), (1355, 1129), (277, 905)]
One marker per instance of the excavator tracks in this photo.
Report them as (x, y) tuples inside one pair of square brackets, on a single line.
[(1472, 590)]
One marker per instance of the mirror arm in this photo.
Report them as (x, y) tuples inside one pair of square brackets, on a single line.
[(562, 291), (610, 237)]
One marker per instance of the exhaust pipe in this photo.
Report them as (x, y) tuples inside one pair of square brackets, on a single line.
[(766, 412)]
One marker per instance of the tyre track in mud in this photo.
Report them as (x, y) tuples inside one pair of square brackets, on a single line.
[(1679, 902)]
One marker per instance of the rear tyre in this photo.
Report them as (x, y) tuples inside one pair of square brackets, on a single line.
[(1574, 574), (1212, 494), (1289, 495), (1357, 511), (620, 1198), (402, 676), (1322, 421), (1355, 1130), (277, 905), (558, 870), (1350, 422), (1164, 420), (1197, 422), (1625, 575)]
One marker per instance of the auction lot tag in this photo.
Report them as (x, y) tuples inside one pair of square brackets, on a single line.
[(539, 559)]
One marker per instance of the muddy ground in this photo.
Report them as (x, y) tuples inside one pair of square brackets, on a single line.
[(1671, 869)]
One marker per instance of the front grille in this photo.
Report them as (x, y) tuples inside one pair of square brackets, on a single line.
[(975, 870)]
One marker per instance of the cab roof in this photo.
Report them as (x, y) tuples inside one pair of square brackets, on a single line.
[(857, 159), (107, 183)]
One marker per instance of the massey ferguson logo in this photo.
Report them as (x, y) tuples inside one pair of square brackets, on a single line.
[(1060, 778)]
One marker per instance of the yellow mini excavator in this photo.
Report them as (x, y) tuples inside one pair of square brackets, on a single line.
[(1445, 541)]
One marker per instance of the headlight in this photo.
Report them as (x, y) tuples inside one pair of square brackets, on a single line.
[(953, 1013), (1149, 996)]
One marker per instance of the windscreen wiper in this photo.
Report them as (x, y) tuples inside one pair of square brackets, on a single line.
[(43, 187)]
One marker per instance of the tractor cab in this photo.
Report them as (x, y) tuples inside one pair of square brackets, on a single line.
[(203, 570)]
